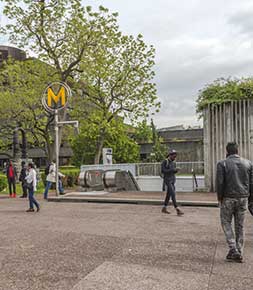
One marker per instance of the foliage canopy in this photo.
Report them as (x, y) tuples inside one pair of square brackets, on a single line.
[(224, 90), (111, 74)]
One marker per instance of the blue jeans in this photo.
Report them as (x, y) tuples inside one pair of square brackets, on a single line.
[(32, 200), (48, 185), (171, 193), (61, 189)]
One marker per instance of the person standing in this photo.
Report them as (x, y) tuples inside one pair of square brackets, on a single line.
[(11, 174), (31, 180), (234, 186), (50, 178), (22, 179), (169, 171)]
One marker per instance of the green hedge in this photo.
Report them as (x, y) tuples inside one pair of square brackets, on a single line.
[(70, 179), (3, 182)]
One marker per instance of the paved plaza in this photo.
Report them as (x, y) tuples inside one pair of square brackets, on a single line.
[(89, 246)]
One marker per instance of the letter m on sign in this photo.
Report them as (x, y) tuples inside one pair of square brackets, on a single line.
[(56, 98)]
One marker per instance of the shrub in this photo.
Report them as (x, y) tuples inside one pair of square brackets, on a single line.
[(70, 179), (3, 182)]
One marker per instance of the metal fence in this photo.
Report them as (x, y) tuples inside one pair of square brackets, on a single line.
[(149, 169), (154, 169), (148, 174)]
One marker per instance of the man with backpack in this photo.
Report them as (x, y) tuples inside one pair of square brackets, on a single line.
[(50, 177), (234, 186), (169, 170), (22, 179)]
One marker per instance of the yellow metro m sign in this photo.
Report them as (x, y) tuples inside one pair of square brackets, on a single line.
[(56, 98), (53, 101)]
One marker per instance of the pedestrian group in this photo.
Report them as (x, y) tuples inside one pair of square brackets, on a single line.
[(234, 187), (29, 180)]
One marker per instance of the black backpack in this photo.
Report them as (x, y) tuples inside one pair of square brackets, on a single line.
[(47, 169), (161, 174)]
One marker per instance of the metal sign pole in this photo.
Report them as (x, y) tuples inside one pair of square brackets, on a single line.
[(49, 100), (56, 153)]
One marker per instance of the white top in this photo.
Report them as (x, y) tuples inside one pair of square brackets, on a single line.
[(31, 178), (51, 174)]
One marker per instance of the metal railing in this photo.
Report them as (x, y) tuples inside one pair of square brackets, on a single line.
[(154, 169), (149, 169)]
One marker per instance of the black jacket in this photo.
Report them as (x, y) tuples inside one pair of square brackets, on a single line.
[(169, 170), (234, 178), (23, 175)]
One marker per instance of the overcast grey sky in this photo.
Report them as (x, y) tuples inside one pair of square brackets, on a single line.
[(196, 41)]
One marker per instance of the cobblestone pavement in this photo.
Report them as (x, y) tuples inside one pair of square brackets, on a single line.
[(86, 246)]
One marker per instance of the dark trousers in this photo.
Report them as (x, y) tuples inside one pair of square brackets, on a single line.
[(171, 193), (24, 188), (32, 200), (12, 185)]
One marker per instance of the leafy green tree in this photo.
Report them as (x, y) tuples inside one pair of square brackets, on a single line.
[(159, 150), (60, 33), (111, 73), (224, 90), (117, 81), (21, 84), (124, 148), (143, 132)]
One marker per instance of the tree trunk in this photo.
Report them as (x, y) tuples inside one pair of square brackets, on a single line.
[(50, 150), (100, 144)]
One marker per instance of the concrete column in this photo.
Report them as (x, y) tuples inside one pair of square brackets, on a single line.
[(240, 128), (213, 163), (251, 130), (207, 147), (248, 128), (235, 120), (244, 130)]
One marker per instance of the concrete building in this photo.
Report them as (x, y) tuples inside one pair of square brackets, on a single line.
[(227, 122), (8, 51), (188, 143)]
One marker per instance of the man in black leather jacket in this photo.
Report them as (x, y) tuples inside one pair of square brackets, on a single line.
[(234, 186), (169, 170)]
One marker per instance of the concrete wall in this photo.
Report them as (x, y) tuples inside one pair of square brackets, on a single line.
[(228, 122), (154, 183), (188, 151), (188, 143), (183, 134)]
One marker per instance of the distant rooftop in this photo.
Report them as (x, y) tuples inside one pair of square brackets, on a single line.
[(9, 51), (178, 128)]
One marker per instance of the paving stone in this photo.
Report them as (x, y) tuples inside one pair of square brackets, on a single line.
[(111, 276)]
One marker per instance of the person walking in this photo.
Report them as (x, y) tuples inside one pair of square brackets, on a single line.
[(31, 180), (61, 189), (234, 186), (22, 176), (11, 174), (50, 178), (169, 170)]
